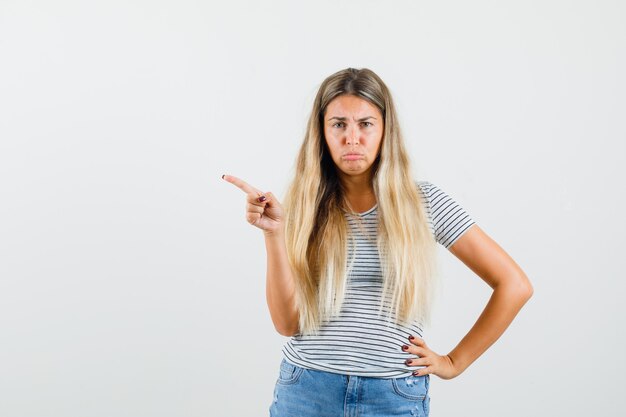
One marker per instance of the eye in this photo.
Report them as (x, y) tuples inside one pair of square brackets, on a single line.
[(338, 123), (368, 124)]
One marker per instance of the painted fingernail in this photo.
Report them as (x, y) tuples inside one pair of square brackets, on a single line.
[(223, 176), (408, 361), (411, 338), (405, 347), (262, 198), (415, 373)]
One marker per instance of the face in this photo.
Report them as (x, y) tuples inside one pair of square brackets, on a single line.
[(353, 129)]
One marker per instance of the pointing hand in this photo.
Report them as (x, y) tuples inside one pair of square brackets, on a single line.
[(263, 210)]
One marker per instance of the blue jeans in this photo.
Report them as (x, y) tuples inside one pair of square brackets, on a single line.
[(301, 392)]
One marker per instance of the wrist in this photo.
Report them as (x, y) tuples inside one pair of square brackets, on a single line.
[(273, 234), (456, 363)]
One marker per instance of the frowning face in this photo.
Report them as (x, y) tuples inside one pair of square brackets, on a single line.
[(353, 130)]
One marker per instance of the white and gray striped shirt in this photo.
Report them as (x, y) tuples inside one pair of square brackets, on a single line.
[(358, 341)]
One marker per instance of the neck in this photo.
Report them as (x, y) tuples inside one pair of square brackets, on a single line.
[(357, 185), (359, 192)]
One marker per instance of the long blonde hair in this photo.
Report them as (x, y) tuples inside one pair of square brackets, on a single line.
[(316, 229)]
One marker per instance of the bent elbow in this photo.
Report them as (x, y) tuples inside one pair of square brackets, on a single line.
[(287, 331), (518, 289), (525, 289)]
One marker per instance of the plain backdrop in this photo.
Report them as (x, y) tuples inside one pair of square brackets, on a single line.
[(131, 284)]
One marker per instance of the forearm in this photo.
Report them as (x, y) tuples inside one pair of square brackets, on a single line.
[(504, 304), (280, 286)]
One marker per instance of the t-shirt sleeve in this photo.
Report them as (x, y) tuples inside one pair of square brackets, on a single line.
[(449, 221)]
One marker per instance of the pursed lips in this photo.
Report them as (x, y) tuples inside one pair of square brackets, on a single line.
[(353, 156)]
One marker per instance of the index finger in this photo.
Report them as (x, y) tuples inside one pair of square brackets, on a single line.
[(244, 186)]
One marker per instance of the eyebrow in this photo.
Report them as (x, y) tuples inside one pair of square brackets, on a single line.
[(341, 119)]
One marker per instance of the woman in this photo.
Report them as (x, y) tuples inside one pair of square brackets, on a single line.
[(351, 264)]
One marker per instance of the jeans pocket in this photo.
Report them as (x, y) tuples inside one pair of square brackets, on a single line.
[(412, 387), (289, 373)]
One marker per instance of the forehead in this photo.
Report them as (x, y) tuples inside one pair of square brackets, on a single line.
[(349, 105)]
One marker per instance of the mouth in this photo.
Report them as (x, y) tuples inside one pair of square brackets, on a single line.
[(352, 156)]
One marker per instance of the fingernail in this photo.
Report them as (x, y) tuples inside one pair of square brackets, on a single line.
[(262, 198), (415, 373), (408, 361), (411, 338), (223, 176), (404, 347)]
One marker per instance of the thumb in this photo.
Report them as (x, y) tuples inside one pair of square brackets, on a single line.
[(271, 200)]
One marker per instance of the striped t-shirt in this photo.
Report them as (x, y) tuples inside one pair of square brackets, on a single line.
[(358, 341)]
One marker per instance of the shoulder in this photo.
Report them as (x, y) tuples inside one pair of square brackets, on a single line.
[(450, 220), (433, 193), (428, 189), (424, 185)]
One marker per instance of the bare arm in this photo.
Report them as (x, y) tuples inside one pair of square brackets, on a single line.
[(280, 289), (263, 210), (511, 290)]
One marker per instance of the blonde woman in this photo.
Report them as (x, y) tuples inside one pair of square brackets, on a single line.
[(351, 264)]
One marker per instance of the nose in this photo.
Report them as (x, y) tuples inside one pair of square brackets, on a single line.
[(352, 136)]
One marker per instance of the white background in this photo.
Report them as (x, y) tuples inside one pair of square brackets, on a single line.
[(130, 282)]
